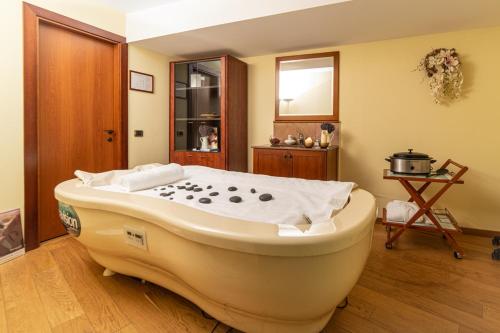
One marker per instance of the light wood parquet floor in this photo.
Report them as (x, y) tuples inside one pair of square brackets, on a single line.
[(416, 287)]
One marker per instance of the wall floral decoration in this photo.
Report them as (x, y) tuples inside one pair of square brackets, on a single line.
[(443, 69)]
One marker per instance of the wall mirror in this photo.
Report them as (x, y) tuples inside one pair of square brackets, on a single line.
[(307, 87)]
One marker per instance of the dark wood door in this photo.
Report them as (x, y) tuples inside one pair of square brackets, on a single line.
[(308, 165), (272, 162), (77, 105)]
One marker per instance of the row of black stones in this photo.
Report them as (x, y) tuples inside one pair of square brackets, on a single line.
[(195, 188)]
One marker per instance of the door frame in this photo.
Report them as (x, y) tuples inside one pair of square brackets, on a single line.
[(32, 17)]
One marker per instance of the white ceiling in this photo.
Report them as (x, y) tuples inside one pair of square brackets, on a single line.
[(128, 6), (338, 24), (329, 25)]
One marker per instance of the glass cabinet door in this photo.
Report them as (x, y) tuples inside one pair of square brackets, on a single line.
[(197, 106)]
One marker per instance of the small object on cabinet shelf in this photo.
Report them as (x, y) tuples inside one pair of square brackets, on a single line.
[(291, 140), (316, 144), (300, 137), (274, 141), (308, 142), (327, 130)]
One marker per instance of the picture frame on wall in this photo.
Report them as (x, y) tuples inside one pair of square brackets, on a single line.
[(142, 82), (11, 235)]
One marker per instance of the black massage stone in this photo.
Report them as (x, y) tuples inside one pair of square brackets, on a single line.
[(181, 187), (189, 197), (235, 199), (171, 198), (205, 200), (170, 186), (232, 188), (253, 190), (188, 183), (265, 197), (198, 189), (164, 194), (190, 188), (209, 187), (214, 194), (163, 189)]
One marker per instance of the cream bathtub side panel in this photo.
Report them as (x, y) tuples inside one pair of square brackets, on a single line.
[(11, 82), (267, 286), (149, 112), (385, 107)]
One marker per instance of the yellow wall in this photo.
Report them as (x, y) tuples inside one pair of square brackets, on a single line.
[(385, 107), (147, 111)]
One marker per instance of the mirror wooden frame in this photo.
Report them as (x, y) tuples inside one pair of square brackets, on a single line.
[(335, 109)]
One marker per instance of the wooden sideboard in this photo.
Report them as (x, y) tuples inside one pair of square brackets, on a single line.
[(298, 162)]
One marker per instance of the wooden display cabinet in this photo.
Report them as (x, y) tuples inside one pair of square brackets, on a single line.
[(208, 113), (306, 163)]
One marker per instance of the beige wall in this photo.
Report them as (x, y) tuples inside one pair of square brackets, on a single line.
[(385, 107), (147, 111)]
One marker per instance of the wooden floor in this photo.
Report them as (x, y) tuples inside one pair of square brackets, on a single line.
[(416, 287)]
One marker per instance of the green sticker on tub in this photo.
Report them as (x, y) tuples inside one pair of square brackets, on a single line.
[(69, 219)]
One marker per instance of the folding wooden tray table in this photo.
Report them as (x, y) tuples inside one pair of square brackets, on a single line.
[(442, 220)]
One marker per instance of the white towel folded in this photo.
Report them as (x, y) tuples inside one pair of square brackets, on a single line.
[(149, 178), (402, 211), (109, 177)]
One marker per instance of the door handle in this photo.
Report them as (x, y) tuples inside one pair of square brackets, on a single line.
[(110, 132), (109, 139)]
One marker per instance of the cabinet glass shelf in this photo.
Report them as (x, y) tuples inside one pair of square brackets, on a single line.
[(197, 108)]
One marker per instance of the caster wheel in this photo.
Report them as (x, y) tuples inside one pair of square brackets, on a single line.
[(495, 255), (496, 241), (343, 304), (457, 255), (388, 246)]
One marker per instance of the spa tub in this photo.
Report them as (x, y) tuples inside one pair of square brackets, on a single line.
[(242, 273)]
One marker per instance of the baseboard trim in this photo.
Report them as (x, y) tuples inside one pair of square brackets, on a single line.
[(466, 231), (480, 232)]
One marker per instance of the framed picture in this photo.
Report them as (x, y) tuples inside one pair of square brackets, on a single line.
[(180, 90), (11, 235), (142, 82)]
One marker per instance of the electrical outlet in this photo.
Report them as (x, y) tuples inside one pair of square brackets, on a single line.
[(138, 133), (135, 237)]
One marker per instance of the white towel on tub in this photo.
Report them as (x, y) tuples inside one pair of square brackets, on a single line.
[(145, 179), (292, 197), (109, 177)]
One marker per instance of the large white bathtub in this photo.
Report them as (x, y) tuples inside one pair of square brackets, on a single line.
[(242, 273)]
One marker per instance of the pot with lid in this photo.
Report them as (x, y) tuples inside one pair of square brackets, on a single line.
[(411, 163)]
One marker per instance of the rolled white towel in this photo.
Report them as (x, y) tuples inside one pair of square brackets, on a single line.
[(109, 177), (151, 177), (402, 211)]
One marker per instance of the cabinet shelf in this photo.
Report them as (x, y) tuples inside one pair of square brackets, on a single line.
[(197, 119), (202, 115), (196, 88)]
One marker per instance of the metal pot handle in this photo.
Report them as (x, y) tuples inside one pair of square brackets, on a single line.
[(388, 159), (433, 161)]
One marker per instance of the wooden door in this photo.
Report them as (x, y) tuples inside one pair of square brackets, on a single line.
[(79, 114), (272, 162), (308, 164)]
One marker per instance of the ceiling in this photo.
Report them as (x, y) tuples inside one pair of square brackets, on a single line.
[(128, 6), (343, 23)]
